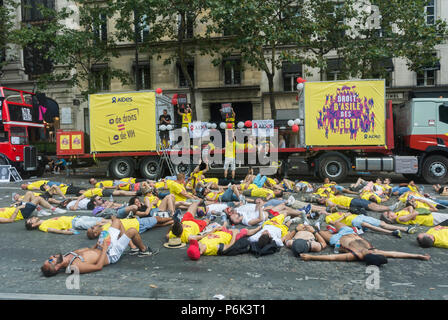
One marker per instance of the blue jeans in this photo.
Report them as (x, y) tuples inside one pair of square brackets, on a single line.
[(162, 195), (121, 212), (228, 196), (273, 202), (146, 223), (441, 202), (400, 190), (260, 180)]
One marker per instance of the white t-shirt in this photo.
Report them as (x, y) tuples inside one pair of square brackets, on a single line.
[(218, 208), (82, 205), (249, 212), (276, 234)]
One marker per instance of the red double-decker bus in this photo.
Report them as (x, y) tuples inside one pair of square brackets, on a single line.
[(19, 115)]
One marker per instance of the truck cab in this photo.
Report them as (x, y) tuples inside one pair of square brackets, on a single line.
[(422, 129)]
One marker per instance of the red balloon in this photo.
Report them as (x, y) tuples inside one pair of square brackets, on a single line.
[(295, 128), (174, 101), (299, 80), (229, 126), (248, 124), (159, 90), (175, 96)]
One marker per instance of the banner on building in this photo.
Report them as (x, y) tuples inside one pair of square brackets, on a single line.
[(122, 121), (345, 113), (263, 128)]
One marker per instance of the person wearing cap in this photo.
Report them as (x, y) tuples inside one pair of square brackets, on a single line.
[(304, 239), (217, 242), (355, 248), (105, 252), (434, 237), (188, 228)]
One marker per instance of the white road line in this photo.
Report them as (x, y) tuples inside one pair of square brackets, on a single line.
[(30, 296)]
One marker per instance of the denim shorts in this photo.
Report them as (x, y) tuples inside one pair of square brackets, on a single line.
[(121, 212), (146, 223), (342, 232), (360, 203), (362, 218), (84, 222)]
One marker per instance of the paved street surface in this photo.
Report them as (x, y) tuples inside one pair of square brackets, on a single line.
[(171, 275)]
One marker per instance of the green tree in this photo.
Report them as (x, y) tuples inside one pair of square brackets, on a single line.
[(76, 48), (385, 29), (7, 16)]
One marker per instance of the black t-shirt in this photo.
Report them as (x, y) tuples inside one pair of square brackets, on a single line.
[(166, 117)]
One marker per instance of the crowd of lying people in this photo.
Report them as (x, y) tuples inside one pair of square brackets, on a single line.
[(214, 216)]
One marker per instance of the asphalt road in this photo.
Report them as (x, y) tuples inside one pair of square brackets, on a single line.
[(171, 275)]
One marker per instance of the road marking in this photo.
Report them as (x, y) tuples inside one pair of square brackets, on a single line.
[(31, 296)]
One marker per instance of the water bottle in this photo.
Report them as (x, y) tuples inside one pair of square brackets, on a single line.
[(336, 247), (111, 198)]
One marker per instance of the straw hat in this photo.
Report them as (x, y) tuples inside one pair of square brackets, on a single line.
[(174, 243)]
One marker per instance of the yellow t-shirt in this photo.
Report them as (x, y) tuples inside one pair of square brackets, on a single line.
[(213, 240), (426, 220), (368, 194), (176, 189), (413, 188), (105, 183), (127, 224), (208, 180), (230, 150), (337, 215), (63, 188), (8, 212), (278, 222), (160, 185), (270, 182), (322, 191), (261, 192), (124, 186), (440, 234), (36, 184), (341, 200), (186, 118), (93, 192), (58, 223), (190, 228), (152, 198)]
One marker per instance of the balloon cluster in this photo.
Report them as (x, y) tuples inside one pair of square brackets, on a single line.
[(294, 124), (300, 83), (166, 127)]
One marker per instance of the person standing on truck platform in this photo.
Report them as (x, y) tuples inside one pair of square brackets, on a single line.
[(229, 154), (186, 116), (165, 119)]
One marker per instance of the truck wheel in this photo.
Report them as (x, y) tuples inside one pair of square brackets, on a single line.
[(333, 167), (435, 170), (183, 168), (121, 168), (149, 168)]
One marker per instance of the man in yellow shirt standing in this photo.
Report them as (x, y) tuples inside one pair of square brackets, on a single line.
[(186, 116), (229, 155)]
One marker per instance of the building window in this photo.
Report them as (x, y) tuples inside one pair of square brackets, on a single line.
[(232, 71), (30, 9), (182, 78), (101, 79), (334, 69), (290, 73), (143, 74), (430, 12), (426, 78), (383, 69), (100, 28), (35, 61), (142, 29)]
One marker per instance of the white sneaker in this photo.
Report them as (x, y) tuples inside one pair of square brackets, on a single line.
[(286, 219), (59, 211), (291, 200), (43, 213)]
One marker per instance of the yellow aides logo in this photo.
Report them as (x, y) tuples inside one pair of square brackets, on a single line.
[(123, 122), (345, 113)]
